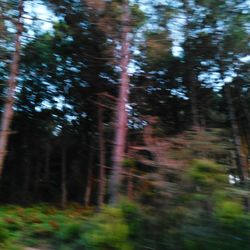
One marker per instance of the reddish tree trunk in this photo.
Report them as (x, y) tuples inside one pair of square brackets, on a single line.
[(121, 112), (8, 111)]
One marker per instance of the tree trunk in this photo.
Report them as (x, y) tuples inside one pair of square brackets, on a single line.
[(89, 178), (37, 180), (121, 112), (194, 106), (245, 109), (241, 164), (26, 183), (64, 177), (8, 111), (102, 161), (191, 78), (246, 113), (47, 163)]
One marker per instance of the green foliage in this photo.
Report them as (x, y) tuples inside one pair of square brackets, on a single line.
[(73, 228), (207, 173), (134, 218), (108, 230), (157, 46), (129, 163), (229, 212), (137, 16)]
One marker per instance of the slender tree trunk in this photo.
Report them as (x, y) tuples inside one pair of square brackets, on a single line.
[(47, 163), (241, 163), (37, 177), (8, 111), (26, 183), (191, 77), (245, 109), (89, 178), (102, 160), (246, 113), (121, 112), (64, 176), (194, 106)]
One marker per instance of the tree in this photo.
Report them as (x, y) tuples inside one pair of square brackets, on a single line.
[(8, 111), (121, 110)]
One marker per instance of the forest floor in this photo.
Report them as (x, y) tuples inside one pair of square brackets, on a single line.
[(40, 227)]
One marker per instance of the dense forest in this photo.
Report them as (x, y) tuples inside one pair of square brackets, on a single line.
[(125, 125)]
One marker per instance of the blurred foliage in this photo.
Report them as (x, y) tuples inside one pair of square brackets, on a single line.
[(73, 228), (197, 209), (207, 174)]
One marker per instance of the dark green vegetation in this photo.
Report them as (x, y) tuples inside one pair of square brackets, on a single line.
[(85, 166)]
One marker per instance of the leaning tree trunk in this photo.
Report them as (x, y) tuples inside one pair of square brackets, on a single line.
[(121, 112), (241, 163), (8, 111)]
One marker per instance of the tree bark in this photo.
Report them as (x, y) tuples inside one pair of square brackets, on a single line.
[(102, 160), (89, 178), (241, 164), (64, 177), (245, 109), (8, 112), (194, 106), (246, 113), (47, 163), (37, 180), (193, 97), (191, 78), (26, 183), (121, 112)]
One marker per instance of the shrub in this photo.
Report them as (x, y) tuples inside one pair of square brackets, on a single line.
[(108, 230)]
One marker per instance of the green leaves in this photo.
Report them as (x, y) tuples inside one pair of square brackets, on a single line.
[(108, 230), (229, 211), (207, 173), (138, 17)]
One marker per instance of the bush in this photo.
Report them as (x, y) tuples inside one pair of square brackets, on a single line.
[(207, 174), (108, 230)]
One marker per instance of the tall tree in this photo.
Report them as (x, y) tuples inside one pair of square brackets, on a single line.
[(241, 159), (121, 110), (8, 111)]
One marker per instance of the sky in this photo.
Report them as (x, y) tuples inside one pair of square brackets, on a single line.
[(41, 11)]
